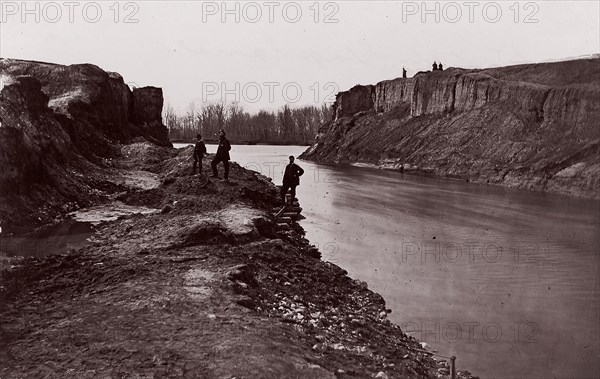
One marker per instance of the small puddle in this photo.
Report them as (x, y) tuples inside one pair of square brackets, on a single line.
[(71, 234), (55, 239)]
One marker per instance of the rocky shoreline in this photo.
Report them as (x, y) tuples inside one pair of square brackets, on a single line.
[(205, 287)]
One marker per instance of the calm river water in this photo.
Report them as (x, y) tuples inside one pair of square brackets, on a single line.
[(506, 280)]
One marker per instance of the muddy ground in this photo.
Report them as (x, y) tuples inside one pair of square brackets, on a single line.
[(205, 287)]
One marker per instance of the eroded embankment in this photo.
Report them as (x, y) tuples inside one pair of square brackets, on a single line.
[(61, 129), (532, 126), (205, 288)]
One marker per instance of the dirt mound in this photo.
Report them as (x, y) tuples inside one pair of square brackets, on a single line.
[(60, 135), (42, 175)]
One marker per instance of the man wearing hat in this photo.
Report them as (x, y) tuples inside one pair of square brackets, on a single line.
[(199, 151), (291, 179), (222, 155)]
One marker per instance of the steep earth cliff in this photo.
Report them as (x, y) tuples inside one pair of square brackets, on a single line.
[(60, 128), (528, 126)]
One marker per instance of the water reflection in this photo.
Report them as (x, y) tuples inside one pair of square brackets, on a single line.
[(504, 279), (59, 238)]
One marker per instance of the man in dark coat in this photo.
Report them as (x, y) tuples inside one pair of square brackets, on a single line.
[(291, 179), (199, 151), (222, 156)]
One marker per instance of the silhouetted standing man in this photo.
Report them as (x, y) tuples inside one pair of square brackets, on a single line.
[(403, 72), (222, 155), (440, 67), (291, 179), (435, 66), (199, 151)]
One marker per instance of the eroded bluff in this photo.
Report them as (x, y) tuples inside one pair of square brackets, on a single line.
[(60, 128), (528, 126)]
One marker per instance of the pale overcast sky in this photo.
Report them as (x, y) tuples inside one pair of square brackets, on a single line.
[(186, 48)]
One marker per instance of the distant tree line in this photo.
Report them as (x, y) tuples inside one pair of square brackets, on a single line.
[(289, 126)]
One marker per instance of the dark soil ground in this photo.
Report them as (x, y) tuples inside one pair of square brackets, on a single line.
[(205, 288)]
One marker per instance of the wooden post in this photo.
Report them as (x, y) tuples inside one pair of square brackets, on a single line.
[(453, 367), (281, 211)]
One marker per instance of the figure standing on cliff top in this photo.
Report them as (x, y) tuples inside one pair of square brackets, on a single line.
[(199, 151), (291, 179), (403, 73), (440, 67), (222, 155), (435, 66)]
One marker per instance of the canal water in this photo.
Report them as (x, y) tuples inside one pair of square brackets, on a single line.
[(506, 280)]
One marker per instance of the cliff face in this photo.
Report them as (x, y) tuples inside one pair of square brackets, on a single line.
[(92, 103), (146, 115), (529, 126), (60, 126)]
